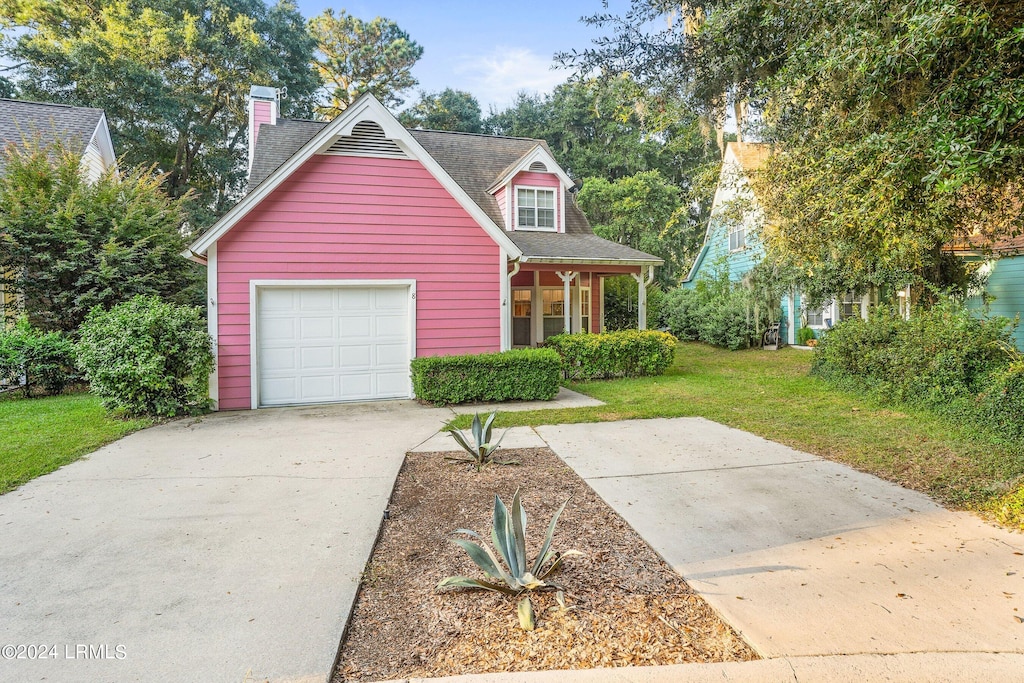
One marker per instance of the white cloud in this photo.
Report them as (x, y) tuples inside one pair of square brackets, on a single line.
[(496, 77)]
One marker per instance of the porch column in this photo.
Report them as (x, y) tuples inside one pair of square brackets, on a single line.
[(641, 295), (566, 278)]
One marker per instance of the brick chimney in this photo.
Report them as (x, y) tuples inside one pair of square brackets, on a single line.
[(264, 103)]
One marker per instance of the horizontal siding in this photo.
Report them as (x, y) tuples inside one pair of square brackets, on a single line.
[(341, 218), (1006, 284)]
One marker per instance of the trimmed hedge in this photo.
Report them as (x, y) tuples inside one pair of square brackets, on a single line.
[(518, 375), (43, 359), (627, 353)]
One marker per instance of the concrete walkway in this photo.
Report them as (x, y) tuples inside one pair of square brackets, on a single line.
[(227, 548), (803, 556)]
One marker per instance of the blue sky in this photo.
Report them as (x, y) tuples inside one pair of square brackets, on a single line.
[(490, 49)]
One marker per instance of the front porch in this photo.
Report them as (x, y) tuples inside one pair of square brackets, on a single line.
[(555, 298)]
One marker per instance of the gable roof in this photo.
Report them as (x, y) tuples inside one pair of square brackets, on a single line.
[(74, 126), (475, 162)]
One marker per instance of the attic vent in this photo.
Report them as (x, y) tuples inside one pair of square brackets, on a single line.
[(539, 166), (367, 140)]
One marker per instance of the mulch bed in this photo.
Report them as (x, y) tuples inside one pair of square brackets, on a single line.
[(624, 605)]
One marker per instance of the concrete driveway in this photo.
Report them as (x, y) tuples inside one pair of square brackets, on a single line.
[(227, 548), (803, 556)]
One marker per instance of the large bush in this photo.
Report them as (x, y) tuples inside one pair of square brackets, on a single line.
[(147, 357), (36, 359), (627, 353), (518, 375), (943, 357), (719, 313)]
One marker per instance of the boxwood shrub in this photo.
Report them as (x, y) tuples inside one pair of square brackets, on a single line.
[(147, 357), (627, 353), (518, 375)]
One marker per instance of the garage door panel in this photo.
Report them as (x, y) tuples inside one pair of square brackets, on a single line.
[(390, 325), (393, 299), (317, 358), (317, 327), (316, 300), (281, 359), (392, 384), (354, 299), (358, 357), (277, 300), (279, 390), (326, 344), (391, 355), (355, 327)]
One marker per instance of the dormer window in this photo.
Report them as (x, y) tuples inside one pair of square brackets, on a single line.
[(535, 208)]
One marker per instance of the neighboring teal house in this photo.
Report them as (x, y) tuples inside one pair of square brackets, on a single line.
[(1004, 265), (732, 244)]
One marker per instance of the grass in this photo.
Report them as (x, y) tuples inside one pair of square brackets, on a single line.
[(39, 435), (772, 394)]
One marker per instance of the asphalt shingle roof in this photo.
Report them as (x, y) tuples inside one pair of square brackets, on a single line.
[(21, 121), (473, 161)]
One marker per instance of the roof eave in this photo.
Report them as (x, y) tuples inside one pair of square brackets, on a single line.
[(593, 261)]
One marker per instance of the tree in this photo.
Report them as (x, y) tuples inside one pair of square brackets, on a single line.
[(454, 110), (172, 76), (643, 211), (897, 126), (356, 56), (68, 245)]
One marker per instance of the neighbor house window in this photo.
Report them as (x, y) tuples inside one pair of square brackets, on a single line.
[(816, 318), (535, 208), (738, 237)]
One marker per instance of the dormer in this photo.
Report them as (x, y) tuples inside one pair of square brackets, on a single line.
[(531, 193)]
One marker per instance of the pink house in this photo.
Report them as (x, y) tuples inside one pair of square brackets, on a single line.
[(361, 245)]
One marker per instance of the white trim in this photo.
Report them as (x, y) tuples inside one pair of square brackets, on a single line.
[(212, 320), (365, 108), (554, 210), (538, 153), (504, 305), (256, 285), (104, 142)]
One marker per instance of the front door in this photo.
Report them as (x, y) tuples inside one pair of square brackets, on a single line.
[(522, 317)]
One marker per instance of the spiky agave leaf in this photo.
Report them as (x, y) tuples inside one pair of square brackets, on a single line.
[(484, 558), (542, 556), (487, 427), (466, 582), (527, 619), (518, 524)]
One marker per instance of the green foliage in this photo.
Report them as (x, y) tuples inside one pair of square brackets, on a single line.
[(147, 357), (804, 335), (897, 126), (356, 56), (719, 312), (508, 534), (454, 110), (481, 451), (643, 211), (172, 78), (621, 301), (518, 375), (43, 359), (69, 244), (627, 353), (943, 357)]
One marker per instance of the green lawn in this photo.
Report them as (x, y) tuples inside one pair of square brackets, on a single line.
[(41, 434), (771, 394)]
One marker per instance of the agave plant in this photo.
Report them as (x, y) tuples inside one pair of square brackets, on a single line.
[(482, 450), (508, 533)]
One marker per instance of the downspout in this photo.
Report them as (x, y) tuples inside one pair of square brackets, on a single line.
[(512, 303)]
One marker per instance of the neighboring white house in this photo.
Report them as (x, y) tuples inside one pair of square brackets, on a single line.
[(82, 129)]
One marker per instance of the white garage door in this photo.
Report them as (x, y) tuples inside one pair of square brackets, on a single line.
[(328, 344)]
